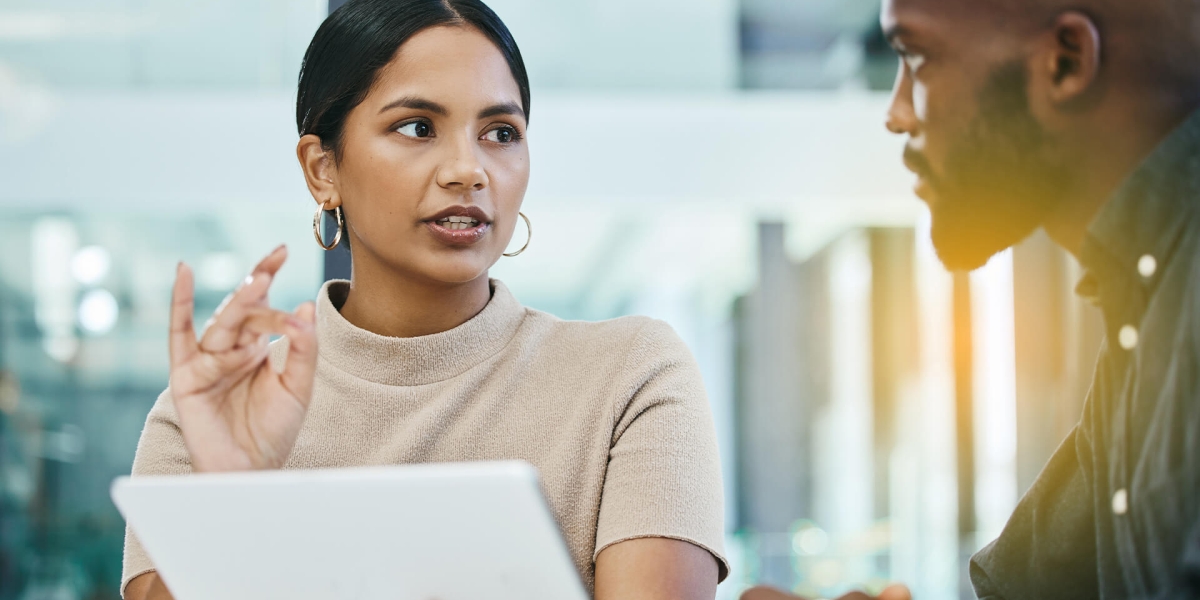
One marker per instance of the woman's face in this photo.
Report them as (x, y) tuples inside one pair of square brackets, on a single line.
[(434, 164)]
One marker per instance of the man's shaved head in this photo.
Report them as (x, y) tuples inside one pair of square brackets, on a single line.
[(1156, 39), (1006, 102)]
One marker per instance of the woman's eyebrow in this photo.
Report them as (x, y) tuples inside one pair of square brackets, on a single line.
[(507, 108), (415, 104)]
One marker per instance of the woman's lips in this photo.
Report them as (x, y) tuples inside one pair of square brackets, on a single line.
[(458, 237)]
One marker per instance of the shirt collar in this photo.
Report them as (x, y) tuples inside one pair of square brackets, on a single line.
[(1144, 218), (417, 360)]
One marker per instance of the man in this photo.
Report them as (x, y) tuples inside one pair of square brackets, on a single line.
[(1080, 117)]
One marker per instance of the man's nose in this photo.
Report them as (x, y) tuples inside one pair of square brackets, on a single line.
[(901, 117)]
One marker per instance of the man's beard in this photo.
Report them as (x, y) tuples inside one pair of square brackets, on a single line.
[(999, 182)]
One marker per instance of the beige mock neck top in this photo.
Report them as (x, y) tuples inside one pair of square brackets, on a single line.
[(613, 414)]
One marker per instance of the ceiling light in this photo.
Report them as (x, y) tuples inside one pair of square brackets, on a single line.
[(98, 312), (90, 265)]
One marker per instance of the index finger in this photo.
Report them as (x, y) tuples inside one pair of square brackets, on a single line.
[(182, 338), (271, 263), (225, 328)]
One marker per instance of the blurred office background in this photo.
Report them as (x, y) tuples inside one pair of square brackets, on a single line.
[(720, 164)]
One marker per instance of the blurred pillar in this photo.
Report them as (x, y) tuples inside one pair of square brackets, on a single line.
[(895, 344), (895, 348), (9, 514), (771, 408), (1040, 297), (964, 422), (1057, 340), (838, 356)]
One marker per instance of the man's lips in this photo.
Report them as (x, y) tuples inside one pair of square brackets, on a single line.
[(916, 162), (924, 191), (919, 166)]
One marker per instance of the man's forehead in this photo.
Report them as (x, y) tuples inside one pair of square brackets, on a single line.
[(907, 16)]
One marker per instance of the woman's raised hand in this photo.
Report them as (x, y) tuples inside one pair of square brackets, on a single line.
[(236, 411)]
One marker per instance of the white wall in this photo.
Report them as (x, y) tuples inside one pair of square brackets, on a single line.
[(114, 44), (626, 44), (821, 162), (773, 152)]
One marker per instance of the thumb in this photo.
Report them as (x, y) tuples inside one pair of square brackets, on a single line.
[(763, 592), (298, 373), (895, 592)]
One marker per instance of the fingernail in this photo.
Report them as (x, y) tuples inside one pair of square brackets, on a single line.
[(278, 248), (295, 323), (248, 280), (178, 267)]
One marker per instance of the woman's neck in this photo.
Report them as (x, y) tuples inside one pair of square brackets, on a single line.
[(387, 303)]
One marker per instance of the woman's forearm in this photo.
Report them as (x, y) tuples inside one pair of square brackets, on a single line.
[(147, 587), (656, 569)]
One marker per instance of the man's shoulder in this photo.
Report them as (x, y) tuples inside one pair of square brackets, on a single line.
[(1174, 305)]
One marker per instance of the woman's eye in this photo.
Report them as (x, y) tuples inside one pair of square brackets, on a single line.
[(502, 135), (416, 129)]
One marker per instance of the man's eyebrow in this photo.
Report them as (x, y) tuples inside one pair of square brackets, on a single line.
[(415, 104), (506, 108)]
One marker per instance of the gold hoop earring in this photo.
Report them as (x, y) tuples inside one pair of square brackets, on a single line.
[(341, 224), (529, 238)]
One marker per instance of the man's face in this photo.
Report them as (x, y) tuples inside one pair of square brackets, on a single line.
[(982, 159)]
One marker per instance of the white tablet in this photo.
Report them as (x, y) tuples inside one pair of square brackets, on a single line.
[(461, 531)]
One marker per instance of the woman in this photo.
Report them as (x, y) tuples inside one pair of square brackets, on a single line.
[(413, 116)]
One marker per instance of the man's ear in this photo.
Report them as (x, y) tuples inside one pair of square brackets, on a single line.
[(320, 171), (1069, 63)]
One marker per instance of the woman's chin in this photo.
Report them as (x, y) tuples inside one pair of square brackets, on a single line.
[(456, 272)]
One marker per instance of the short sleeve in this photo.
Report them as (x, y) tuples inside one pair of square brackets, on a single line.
[(1048, 547), (664, 471), (160, 451)]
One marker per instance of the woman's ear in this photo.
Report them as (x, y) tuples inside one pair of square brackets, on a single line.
[(320, 171)]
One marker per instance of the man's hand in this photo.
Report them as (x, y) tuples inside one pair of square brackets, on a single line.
[(894, 592)]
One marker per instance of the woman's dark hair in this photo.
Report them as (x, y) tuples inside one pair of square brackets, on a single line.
[(362, 36)]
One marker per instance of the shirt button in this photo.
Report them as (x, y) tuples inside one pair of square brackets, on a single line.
[(1120, 502), (1128, 337), (1147, 266)]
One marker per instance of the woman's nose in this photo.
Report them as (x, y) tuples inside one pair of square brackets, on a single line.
[(462, 168)]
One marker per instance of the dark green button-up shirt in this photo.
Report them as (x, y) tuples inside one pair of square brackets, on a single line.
[(1116, 512)]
